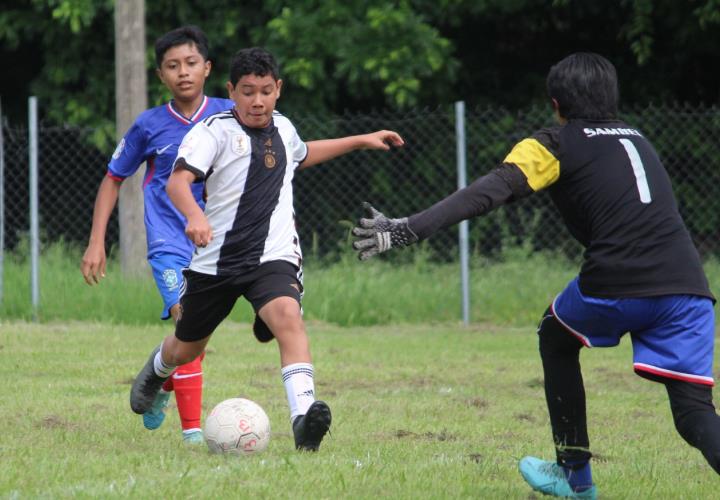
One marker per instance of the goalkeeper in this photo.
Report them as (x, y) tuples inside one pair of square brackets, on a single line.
[(641, 272)]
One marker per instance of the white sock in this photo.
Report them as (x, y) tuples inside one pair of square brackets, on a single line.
[(162, 369), (299, 387)]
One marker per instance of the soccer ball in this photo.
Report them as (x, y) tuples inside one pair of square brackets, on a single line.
[(237, 426)]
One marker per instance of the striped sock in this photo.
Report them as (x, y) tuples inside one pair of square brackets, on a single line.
[(162, 369), (299, 387)]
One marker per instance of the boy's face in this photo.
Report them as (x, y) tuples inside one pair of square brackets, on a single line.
[(183, 70), (255, 97)]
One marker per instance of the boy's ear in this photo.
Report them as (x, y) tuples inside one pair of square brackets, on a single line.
[(555, 105), (208, 67), (279, 85), (159, 74), (230, 88)]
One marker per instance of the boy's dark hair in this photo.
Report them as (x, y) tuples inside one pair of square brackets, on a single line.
[(585, 86), (253, 61), (181, 36)]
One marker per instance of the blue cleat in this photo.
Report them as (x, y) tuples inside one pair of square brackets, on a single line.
[(193, 437), (154, 417), (549, 478)]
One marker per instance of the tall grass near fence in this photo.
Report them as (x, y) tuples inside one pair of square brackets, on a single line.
[(513, 289)]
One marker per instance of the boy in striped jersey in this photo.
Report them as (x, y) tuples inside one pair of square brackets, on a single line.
[(183, 66), (246, 240)]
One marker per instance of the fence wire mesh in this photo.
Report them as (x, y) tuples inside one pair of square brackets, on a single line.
[(405, 180)]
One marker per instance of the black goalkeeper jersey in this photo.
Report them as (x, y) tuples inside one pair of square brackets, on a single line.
[(616, 199)]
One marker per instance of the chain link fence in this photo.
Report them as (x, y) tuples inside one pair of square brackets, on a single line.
[(399, 183)]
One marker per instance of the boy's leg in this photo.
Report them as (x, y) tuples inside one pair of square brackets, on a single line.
[(187, 380), (570, 476), (275, 295), (695, 418), (207, 300), (564, 392), (310, 419), (162, 362), (678, 350)]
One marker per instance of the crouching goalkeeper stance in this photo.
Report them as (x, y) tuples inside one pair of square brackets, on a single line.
[(641, 273)]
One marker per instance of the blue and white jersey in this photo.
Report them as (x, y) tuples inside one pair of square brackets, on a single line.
[(154, 138), (248, 175)]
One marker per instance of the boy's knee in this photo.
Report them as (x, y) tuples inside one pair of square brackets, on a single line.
[(554, 337)]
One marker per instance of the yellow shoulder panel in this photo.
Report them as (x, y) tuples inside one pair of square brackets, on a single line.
[(538, 164)]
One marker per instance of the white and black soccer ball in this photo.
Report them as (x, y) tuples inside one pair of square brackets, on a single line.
[(237, 426)]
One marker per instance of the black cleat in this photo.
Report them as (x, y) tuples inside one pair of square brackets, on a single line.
[(261, 330), (145, 386), (309, 429)]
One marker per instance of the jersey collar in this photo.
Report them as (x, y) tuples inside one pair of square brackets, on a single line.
[(197, 114)]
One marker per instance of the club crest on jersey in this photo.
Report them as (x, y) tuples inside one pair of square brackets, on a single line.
[(119, 149), (170, 278), (270, 159), (239, 144), (269, 154)]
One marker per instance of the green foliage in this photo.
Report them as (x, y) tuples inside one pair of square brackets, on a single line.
[(361, 55)]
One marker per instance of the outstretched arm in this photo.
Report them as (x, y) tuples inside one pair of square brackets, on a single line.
[(94, 260), (327, 149), (178, 189), (379, 234)]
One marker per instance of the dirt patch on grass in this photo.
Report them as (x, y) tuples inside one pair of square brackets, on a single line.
[(443, 435), (55, 422)]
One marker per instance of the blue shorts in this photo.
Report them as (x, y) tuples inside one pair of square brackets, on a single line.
[(673, 336), (167, 271)]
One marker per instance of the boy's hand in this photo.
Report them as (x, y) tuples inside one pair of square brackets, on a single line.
[(198, 230), (93, 264), (383, 139), (380, 234)]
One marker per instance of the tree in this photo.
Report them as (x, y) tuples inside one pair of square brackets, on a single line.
[(360, 55)]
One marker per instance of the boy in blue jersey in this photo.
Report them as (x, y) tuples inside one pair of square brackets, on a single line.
[(183, 66), (641, 273)]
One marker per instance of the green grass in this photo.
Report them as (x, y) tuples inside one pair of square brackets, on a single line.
[(420, 411)]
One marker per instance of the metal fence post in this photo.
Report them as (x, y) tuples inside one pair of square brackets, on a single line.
[(2, 205), (463, 237), (34, 205)]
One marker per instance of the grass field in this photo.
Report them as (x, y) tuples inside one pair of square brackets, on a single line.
[(420, 411)]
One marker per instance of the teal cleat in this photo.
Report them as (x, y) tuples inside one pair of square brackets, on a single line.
[(193, 437), (549, 478), (154, 417)]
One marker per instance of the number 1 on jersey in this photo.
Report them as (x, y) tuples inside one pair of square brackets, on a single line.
[(638, 170)]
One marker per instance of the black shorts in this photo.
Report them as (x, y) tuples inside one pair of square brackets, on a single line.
[(208, 299)]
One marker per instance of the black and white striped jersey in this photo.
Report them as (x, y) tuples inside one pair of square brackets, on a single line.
[(248, 175)]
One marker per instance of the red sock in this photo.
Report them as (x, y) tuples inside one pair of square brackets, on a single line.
[(168, 385), (187, 382)]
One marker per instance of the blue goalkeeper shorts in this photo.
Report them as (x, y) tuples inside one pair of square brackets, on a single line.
[(673, 336), (167, 270)]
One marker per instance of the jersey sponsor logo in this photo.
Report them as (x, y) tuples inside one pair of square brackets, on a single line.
[(239, 144), (594, 132), (170, 278), (160, 151), (119, 149)]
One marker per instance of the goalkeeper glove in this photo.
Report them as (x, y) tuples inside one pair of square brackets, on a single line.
[(379, 234)]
